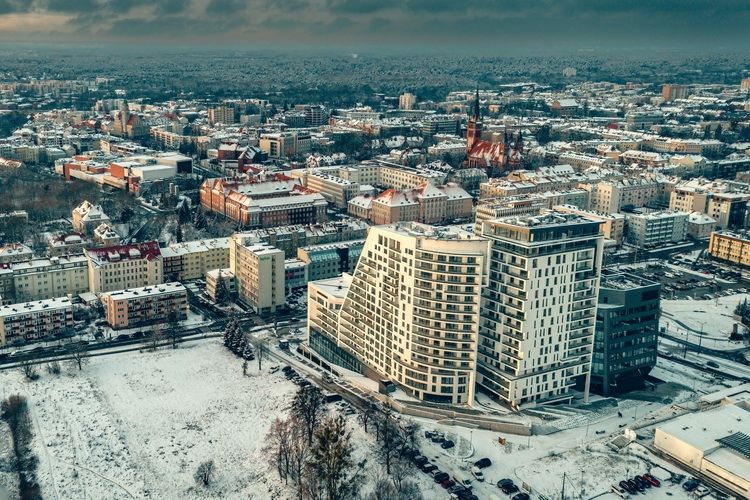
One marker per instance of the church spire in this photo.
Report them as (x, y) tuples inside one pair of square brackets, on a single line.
[(476, 113)]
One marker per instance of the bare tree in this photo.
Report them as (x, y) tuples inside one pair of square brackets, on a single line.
[(78, 355), (204, 473), (308, 407), (157, 334), (53, 368), (367, 415), (299, 451), (173, 328), (28, 368), (260, 348), (390, 440), (277, 446), (409, 435)]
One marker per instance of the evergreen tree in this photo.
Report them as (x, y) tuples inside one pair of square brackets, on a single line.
[(718, 131), (241, 345), (230, 331), (199, 218), (248, 352), (178, 233), (332, 462), (222, 294), (183, 213)]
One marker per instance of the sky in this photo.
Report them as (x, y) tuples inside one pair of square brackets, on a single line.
[(464, 23)]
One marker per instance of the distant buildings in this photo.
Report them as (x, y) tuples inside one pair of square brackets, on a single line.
[(285, 144), (732, 247), (627, 325), (670, 92), (34, 320), (145, 305), (410, 312), (538, 312), (407, 101), (613, 196)]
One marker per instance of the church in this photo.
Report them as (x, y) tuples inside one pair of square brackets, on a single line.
[(494, 157)]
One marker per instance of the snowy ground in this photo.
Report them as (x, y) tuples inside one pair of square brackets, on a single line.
[(713, 316), (137, 425)]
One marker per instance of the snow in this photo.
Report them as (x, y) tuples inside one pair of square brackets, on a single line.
[(714, 317), (138, 425)]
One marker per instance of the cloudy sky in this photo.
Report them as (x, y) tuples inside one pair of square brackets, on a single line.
[(487, 23)]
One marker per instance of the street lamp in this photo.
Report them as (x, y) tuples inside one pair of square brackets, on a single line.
[(700, 338)]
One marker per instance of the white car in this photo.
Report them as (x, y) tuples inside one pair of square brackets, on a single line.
[(477, 473)]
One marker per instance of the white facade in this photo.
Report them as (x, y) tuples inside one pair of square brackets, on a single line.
[(411, 311), (259, 271), (657, 228), (538, 313)]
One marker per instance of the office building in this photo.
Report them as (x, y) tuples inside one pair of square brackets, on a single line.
[(279, 145), (410, 312), (145, 305), (627, 325), (537, 325)]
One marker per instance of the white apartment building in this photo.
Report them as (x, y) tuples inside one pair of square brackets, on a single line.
[(41, 279), (538, 312), (655, 229), (259, 271), (410, 312), (34, 320), (124, 266)]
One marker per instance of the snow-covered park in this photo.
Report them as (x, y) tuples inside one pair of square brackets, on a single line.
[(137, 425)]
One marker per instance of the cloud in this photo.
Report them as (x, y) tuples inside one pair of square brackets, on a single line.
[(449, 22)]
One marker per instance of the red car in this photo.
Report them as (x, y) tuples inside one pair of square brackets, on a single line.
[(651, 479), (447, 483)]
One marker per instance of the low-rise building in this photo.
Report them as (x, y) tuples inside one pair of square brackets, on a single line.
[(146, 305), (625, 340), (700, 226), (15, 252), (86, 217), (66, 244), (331, 259), (295, 274), (191, 260), (34, 320), (613, 225)]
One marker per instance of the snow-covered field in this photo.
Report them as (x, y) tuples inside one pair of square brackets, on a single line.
[(138, 425)]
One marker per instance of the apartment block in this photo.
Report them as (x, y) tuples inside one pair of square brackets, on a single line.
[(124, 266), (610, 197), (627, 325), (41, 279), (34, 320), (259, 271), (655, 229), (726, 208), (613, 225), (733, 247), (191, 260), (410, 313), (537, 324), (145, 305)]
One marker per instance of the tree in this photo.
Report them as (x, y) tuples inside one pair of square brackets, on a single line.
[(718, 131), (157, 334), (260, 346), (199, 218), (183, 213), (222, 294), (178, 233), (390, 442), (331, 460), (299, 450), (248, 353), (244, 368), (78, 356), (308, 407), (126, 214), (231, 331), (53, 368), (173, 328), (28, 369), (367, 415), (204, 473), (277, 445)]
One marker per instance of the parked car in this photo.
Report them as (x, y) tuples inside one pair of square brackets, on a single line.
[(701, 491), (690, 485), (627, 487), (447, 483), (477, 473), (446, 445), (483, 463), (620, 492), (420, 460), (712, 364), (521, 496), (440, 476), (651, 479), (428, 467), (642, 482)]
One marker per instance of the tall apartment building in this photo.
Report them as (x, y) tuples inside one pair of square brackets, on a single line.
[(124, 266), (259, 271), (222, 114), (627, 325), (407, 101), (733, 247), (145, 305), (537, 325), (745, 84), (654, 229), (726, 208), (34, 320), (670, 92), (410, 312)]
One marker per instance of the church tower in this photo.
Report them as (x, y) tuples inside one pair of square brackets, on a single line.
[(474, 127)]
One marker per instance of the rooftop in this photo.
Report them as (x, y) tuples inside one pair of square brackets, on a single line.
[(146, 291), (36, 306)]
